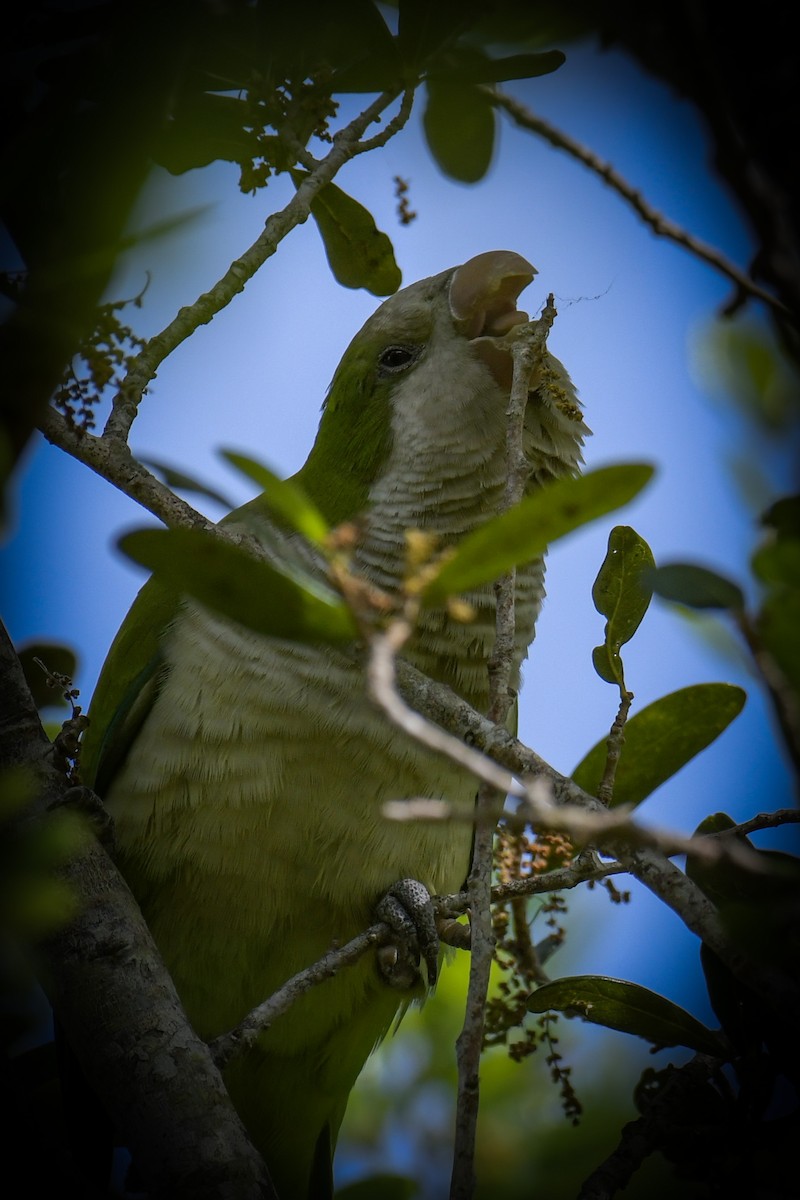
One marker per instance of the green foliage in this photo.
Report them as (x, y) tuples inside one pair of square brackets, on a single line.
[(661, 739), (695, 586), (379, 1187), (284, 498), (459, 124), (358, 253), (525, 531), (33, 900), (628, 1007), (776, 564), (180, 481), (254, 593), (621, 594)]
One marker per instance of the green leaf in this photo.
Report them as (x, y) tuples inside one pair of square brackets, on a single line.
[(459, 124), (284, 497), (175, 478), (525, 531), (474, 67), (778, 563), (204, 127), (379, 1187), (628, 1007), (662, 738), (424, 28), (359, 254), (59, 659), (783, 516), (777, 626), (698, 587), (257, 594), (621, 594)]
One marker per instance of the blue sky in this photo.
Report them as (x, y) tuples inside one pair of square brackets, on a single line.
[(630, 307)]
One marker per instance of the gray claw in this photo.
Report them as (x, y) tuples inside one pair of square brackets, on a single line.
[(407, 909)]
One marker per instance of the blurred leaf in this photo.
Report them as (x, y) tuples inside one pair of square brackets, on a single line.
[(760, 912), (784, 516), (661, 739), (379, 1187), (425, 29), (459, 123), (283, 497), (628, 1007), (175, 478), (777, 625), (696, 586), (350, 38), (359, 254), (525, 531), (778, 562), (33, 901), (742, 362), (622, 596), (59, 659), (257, 594)]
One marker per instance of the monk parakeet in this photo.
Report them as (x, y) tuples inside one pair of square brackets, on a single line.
[(247, 774)]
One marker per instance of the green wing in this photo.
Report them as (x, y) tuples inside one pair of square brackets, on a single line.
[(128, 685)]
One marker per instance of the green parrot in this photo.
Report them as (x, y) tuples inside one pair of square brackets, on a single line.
[(246, 774)]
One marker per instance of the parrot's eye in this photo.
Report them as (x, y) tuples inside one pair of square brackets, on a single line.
[(397, 358)]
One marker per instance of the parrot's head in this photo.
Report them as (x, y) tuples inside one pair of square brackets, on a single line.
[(422, 388)]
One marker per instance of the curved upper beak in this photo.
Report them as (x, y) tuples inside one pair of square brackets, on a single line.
[(484, 291)]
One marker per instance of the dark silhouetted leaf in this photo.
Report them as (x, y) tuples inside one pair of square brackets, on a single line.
[(204, 127), (524, 532), (255, 593), (698, 587), (662, 738), (285, 498), (360, 255), (628, 1007), (474, 67)]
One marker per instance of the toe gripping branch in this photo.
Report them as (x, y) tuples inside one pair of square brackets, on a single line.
[(408, 910)]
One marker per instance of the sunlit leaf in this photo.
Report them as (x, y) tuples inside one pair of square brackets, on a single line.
[(459, 123), (621, 594), (696, 586), (628, 1007), (662, 738), (285, 498), (359, 254), (255, 593), (525, 531)]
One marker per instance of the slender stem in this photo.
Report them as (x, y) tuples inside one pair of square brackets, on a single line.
[(661, 225)]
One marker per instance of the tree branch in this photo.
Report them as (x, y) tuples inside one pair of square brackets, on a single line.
[(119, 1009), (659, 224), (346, 145)]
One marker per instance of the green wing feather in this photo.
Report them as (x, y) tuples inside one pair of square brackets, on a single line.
[(128, 685)]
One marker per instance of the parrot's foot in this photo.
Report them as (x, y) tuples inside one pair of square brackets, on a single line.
[(407, 909)]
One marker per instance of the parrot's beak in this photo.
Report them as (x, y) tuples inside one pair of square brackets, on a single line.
[(483, 303), (484, 291)]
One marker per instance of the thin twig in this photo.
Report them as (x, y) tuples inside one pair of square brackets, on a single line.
[(346, 145), (527, 352), (661, 225)]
